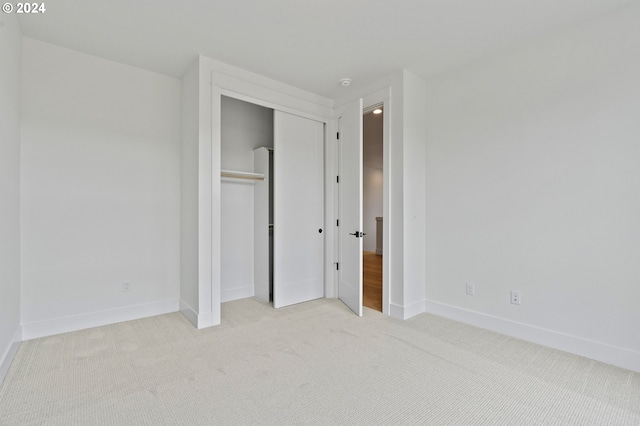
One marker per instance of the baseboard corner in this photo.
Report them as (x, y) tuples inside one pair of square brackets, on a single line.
[(199, 321), (189, 313), (10, 353), (407, 311)]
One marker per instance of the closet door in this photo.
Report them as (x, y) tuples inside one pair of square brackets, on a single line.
[(298, 209)]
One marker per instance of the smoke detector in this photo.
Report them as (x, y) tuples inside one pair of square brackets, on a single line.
[(345, 82)]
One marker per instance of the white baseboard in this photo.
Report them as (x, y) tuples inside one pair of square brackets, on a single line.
[(396, 311), (189, 313), (9, 353), (614, 355), (206, 320), (407, 311), (51, 327), (236, 293), (198, 320)]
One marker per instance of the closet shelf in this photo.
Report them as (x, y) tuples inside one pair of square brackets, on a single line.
[(241, 175)]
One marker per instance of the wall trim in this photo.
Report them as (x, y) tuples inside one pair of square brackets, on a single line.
[(407, 311), (189, 313), (396, 311), (236, 293), (413, 309), (614, 355), (51, 327), (205, 320), (10, 353), (198, 320)]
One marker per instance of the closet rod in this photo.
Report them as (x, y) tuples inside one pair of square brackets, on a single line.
[(241, 175)]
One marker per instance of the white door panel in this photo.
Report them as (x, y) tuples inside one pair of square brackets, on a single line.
[(350, 207), (298, 209)]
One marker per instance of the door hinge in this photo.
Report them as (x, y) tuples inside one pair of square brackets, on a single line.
[(337, 222), (337, 179), (338, 135), (337, 266)]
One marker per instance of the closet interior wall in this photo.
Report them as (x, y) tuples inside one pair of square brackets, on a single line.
[(244, 127)]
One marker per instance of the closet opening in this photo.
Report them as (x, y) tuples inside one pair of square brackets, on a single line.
[(271, 204), (246, 200), (372, 206)]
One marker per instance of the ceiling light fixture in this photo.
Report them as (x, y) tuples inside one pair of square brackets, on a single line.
[(345, 82), (377, 111)]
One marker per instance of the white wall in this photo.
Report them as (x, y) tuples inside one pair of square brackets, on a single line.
[(372, 176), (10, 51), (100, 190), (532, 184), (372, 204), (413, 174), (244, 127)]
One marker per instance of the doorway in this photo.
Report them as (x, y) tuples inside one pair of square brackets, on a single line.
[(372, 208)]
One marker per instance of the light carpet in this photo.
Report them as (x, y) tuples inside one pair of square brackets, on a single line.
[(313, 363)]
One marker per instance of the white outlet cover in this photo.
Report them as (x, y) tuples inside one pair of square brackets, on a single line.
[(471, 289)]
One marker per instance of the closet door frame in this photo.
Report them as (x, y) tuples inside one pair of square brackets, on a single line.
[(225, 85)]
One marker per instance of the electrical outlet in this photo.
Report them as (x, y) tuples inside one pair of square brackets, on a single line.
[(125, 286), (516, 298), (471, 289)]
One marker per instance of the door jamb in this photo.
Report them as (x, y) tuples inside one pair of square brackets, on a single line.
[(368, 104), (383, 97)]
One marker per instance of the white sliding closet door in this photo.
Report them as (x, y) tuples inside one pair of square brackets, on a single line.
[(298, 209)]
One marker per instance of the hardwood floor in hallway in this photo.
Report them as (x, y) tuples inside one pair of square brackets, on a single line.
[(372, 280)]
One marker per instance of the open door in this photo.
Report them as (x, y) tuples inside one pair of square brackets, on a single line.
[(298, 209), (350, 206)]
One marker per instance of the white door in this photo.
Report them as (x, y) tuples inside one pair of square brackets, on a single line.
[(350, 206), (298, 209)]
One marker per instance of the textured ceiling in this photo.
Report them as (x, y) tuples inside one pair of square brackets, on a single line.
[(306, 44)]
